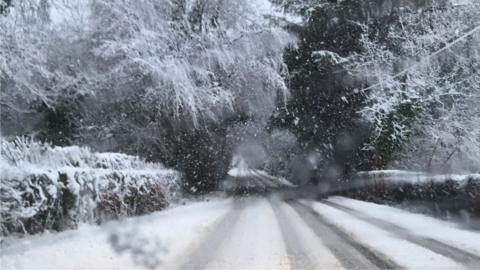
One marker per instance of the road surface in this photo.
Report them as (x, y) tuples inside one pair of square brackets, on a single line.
[(256, 233)]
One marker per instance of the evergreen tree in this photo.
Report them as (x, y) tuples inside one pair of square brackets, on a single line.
[(324, 103)]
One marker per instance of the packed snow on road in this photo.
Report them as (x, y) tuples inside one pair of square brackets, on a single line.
[(255, 233)]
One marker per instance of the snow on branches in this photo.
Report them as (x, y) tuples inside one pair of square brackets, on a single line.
[(188, 60), (425, 61)]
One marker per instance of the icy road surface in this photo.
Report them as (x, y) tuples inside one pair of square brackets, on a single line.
[(256, 233)]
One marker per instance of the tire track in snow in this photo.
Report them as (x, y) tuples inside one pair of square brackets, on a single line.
[(348, 251), (206, 251), (256, 241), (296, 251), (304, 249), (461, 256)]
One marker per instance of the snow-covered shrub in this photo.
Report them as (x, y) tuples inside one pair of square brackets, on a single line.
[(53, 188), (26, 151)]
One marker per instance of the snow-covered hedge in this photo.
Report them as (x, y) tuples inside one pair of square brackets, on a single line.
[(413, 177), (441, 194), (52, 188)]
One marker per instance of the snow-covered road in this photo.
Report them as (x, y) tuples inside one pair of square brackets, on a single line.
[(256, 233)]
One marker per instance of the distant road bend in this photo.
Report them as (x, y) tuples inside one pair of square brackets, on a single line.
[(257, 232)]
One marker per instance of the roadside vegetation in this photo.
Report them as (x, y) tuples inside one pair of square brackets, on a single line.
[(310, 90), (43, 187)]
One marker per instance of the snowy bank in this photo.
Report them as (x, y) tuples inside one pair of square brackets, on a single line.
[(53, 188), (155, 241), (443, 195)]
